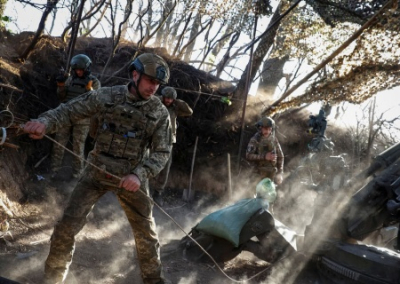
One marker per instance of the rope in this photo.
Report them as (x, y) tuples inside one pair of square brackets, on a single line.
[(3, 138), (12, 117), (163, 211), (176, 88)]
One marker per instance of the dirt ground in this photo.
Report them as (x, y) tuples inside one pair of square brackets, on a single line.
[(105, 248)]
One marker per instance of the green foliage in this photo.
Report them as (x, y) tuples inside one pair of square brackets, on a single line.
[(3, 20)]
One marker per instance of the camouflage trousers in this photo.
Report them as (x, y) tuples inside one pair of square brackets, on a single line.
[(162, 177), (259, 174), (79, 135), (138, 209)]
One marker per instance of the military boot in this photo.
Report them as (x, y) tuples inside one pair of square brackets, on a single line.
[(162, 281), (53, 276), (158, 280)]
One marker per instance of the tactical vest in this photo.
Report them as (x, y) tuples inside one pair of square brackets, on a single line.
[(125, 131), (77, 87), (264, 146)]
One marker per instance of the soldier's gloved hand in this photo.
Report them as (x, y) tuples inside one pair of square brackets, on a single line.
[(61, 78), (130, 183)]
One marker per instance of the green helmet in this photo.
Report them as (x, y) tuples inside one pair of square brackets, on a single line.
[(169, 92), (81, 61), (152, 65), (266, 122)]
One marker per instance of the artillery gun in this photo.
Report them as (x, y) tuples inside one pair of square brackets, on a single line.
[(376, 205), (336, 239)]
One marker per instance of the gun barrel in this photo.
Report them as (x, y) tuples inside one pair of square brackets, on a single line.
[(392, 206), (384, 159)]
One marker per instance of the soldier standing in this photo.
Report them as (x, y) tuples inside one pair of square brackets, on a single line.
[(131, 119), (176, 108), (68, 88), (266, 152)]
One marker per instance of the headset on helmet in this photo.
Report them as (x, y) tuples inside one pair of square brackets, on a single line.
[(266, 122), (169, 92), (152, 65)]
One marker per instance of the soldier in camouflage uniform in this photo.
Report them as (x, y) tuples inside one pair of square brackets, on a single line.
[(68, 88), (176, 108), (265, 152), (131, 121)]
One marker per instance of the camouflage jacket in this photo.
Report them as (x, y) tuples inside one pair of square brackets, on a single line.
[(75, 87), (151, 114), (178, 108), (259, 146)]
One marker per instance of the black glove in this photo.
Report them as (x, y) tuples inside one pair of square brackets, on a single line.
[(61, 78)]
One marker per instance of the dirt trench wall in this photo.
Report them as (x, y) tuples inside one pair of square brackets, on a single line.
[(12, 179), (217, 133)]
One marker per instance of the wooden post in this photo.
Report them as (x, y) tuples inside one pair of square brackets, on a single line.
[(229, 177), (188, 195)]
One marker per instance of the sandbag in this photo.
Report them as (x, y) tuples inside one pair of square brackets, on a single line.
[(228, 222)]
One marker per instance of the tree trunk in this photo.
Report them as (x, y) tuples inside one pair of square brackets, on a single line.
[(74, 33), (51, 4), (172, 37), (225, 59), (87, 17), (194, 33), (192, 40), (371, 122), (117, 38), (162, 34), (149, 18), (265, 44), (180, 38), (224, 39), (271, 74), (2, 6), (127, 11)]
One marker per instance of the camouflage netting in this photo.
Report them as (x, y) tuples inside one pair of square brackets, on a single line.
[(336, 11), (369, 65)]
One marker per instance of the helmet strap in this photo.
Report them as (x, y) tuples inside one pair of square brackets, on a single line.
[(137, 84)]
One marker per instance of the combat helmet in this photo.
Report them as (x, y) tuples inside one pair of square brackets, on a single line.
[(152, 65), (81, 61), (169, 92), (266, 121)]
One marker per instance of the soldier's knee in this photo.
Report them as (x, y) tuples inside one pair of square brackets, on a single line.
[(69, 226)]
